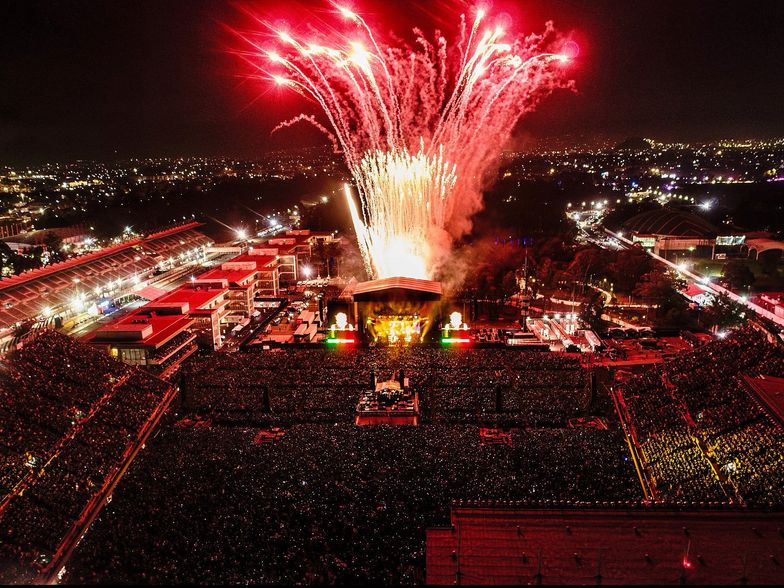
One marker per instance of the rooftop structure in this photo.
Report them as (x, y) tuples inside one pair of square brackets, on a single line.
[(78, 282), (672, 233), (389, 287), (154, 333), (241, 285), (505, 543)]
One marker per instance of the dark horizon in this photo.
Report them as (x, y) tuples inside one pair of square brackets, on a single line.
[(103, 81)]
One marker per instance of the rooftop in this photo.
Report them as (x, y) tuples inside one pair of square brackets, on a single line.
[(426, 287), (672, 222), (261, 261), (197, 296), (142, 327), (232, 276), (508, 545), (27, 295)]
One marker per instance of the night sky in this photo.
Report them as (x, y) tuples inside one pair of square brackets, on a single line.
[(117, 79)]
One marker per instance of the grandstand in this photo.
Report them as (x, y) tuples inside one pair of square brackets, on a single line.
[(701, 433), (78, 283)]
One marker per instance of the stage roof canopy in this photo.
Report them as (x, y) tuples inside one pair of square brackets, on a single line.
[(398, 287)]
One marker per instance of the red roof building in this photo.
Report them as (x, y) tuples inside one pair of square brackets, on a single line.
[(146, 337), (267, 268), (241, 286), (206, 304), (153, 334), (285, 257)]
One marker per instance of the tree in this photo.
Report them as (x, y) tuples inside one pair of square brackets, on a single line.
[(627, 269), (592, 308), (656, 286), (663, 290), (28, 260), (509, 284), (333, 257), (769, 261), (544, 271), (738, 274), (725, 313), (319, 251), (554, 248), (6, 259), (54, 244), (587, 261)]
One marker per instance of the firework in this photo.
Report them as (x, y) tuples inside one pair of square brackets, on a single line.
[(419, 126)]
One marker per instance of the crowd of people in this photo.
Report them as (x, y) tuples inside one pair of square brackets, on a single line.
[(752, 458), (679, 469), (698, 424), (68, 414), (261, 475), (455, 385), (328, 502)]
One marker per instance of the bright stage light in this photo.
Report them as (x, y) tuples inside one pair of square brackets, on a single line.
[(340, 340), (77, 303)]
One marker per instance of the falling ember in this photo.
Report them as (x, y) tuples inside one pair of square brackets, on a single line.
[(420, 129)]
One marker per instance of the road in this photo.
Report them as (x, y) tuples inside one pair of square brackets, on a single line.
[(705, 283)]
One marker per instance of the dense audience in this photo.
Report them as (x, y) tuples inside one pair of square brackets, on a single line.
[(327, 502), (704, 437), (69, 413), (265, 478), (455, 385)]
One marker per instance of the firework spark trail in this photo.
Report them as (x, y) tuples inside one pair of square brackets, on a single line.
[(420, 128)]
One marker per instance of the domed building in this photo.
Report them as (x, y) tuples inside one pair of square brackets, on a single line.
[(673, 233)]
